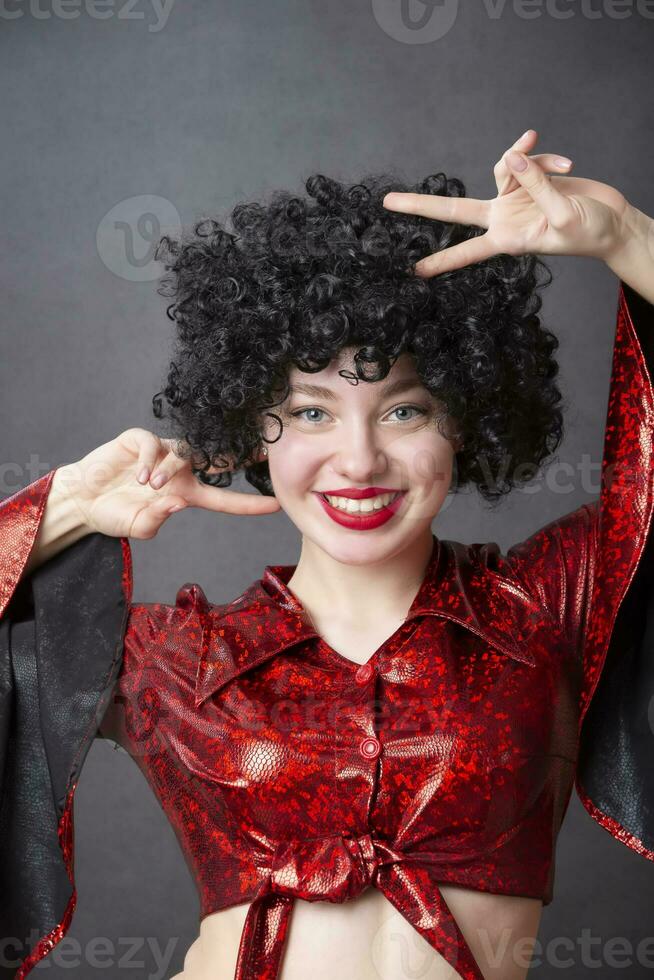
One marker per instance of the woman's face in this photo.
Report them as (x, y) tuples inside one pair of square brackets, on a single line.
[(342, 436)]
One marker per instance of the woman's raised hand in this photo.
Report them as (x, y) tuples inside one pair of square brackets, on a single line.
[(533, 212), (114, 490)]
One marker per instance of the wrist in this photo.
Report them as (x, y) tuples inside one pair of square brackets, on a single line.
[(634, 229), (71, 515), (631, 257)]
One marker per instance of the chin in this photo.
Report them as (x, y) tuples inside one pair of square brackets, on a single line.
[(363, 547), (359, 553)]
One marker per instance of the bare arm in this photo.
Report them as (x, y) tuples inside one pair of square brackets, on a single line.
[(61, 526), (104, 493)]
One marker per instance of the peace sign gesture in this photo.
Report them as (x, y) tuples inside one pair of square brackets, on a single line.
[(533, 212), (115, 488)]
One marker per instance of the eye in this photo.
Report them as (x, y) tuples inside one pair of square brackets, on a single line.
[(412, 408), (300, 413)]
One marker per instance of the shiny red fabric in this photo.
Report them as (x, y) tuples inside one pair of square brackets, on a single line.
[(289, 771)]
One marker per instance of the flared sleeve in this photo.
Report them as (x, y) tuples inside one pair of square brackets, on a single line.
[(615, 771), (592, 572), (61, 640)]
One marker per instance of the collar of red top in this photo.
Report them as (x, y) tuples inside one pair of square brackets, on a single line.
[(268, 618)]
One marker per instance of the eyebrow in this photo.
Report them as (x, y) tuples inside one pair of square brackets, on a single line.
[(317, 391)]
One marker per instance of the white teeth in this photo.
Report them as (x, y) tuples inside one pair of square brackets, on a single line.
[(364, 506)]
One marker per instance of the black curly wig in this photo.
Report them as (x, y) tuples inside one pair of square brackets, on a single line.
[(300, 278)]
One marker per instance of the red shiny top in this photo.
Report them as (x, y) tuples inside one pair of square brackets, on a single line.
[(289, 771)]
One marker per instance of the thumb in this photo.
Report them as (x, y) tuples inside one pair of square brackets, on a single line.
[(149, 520)]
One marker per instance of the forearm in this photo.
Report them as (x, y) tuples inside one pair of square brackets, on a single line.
[(632, 259), (61, 526)]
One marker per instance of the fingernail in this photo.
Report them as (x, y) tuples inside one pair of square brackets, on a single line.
[(171, 510), (562, 162), (158, 481), (516, 161), (143, 475), (525, 134)]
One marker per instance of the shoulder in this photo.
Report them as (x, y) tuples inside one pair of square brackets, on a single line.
[(152, 625), (184, 623), (559, 554), (190, 605), (567, 539), (542, 584), (164, 644), (535, 558), (555, 565)]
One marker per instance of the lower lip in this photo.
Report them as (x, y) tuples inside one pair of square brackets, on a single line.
[(362, 522)]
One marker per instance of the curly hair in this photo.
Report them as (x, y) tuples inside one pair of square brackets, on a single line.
[(300, 278)]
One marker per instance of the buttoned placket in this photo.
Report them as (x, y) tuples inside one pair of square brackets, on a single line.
[(358, 742)]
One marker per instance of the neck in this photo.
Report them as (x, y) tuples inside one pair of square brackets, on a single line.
[(358, 592)]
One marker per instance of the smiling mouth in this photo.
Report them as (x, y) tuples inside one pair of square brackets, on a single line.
[(367, 505)]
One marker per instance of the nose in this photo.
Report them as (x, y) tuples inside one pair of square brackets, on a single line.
[(359, 456)]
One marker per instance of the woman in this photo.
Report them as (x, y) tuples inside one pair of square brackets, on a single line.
[(396, 721)]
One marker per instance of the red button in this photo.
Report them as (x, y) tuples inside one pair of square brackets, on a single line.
[(369, 748), (364, 673)]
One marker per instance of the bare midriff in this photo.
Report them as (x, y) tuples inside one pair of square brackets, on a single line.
[(366, 938)]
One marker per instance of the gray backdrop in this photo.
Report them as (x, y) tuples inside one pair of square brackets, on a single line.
[(120, 120)]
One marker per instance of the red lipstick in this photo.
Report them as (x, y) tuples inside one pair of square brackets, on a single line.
[(362, 522)]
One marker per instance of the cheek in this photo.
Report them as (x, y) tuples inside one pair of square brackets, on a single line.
[(293, 461), (425, 461)]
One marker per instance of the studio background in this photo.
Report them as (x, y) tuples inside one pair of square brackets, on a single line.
[(116, 125)]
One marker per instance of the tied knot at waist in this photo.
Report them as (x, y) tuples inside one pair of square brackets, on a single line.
[(329, 869), (338, 868)]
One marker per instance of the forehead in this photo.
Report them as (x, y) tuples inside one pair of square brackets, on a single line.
[(403, 370)]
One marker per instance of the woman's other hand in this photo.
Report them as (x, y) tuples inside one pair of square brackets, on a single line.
[(115, 491), (533, 212)]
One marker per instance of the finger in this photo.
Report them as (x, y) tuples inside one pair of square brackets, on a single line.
[(166, 466), (149, 451), (503, 177), (461, 210), (232, 501), (556, 207), (148, 448), (455, 257), (549, 162)]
